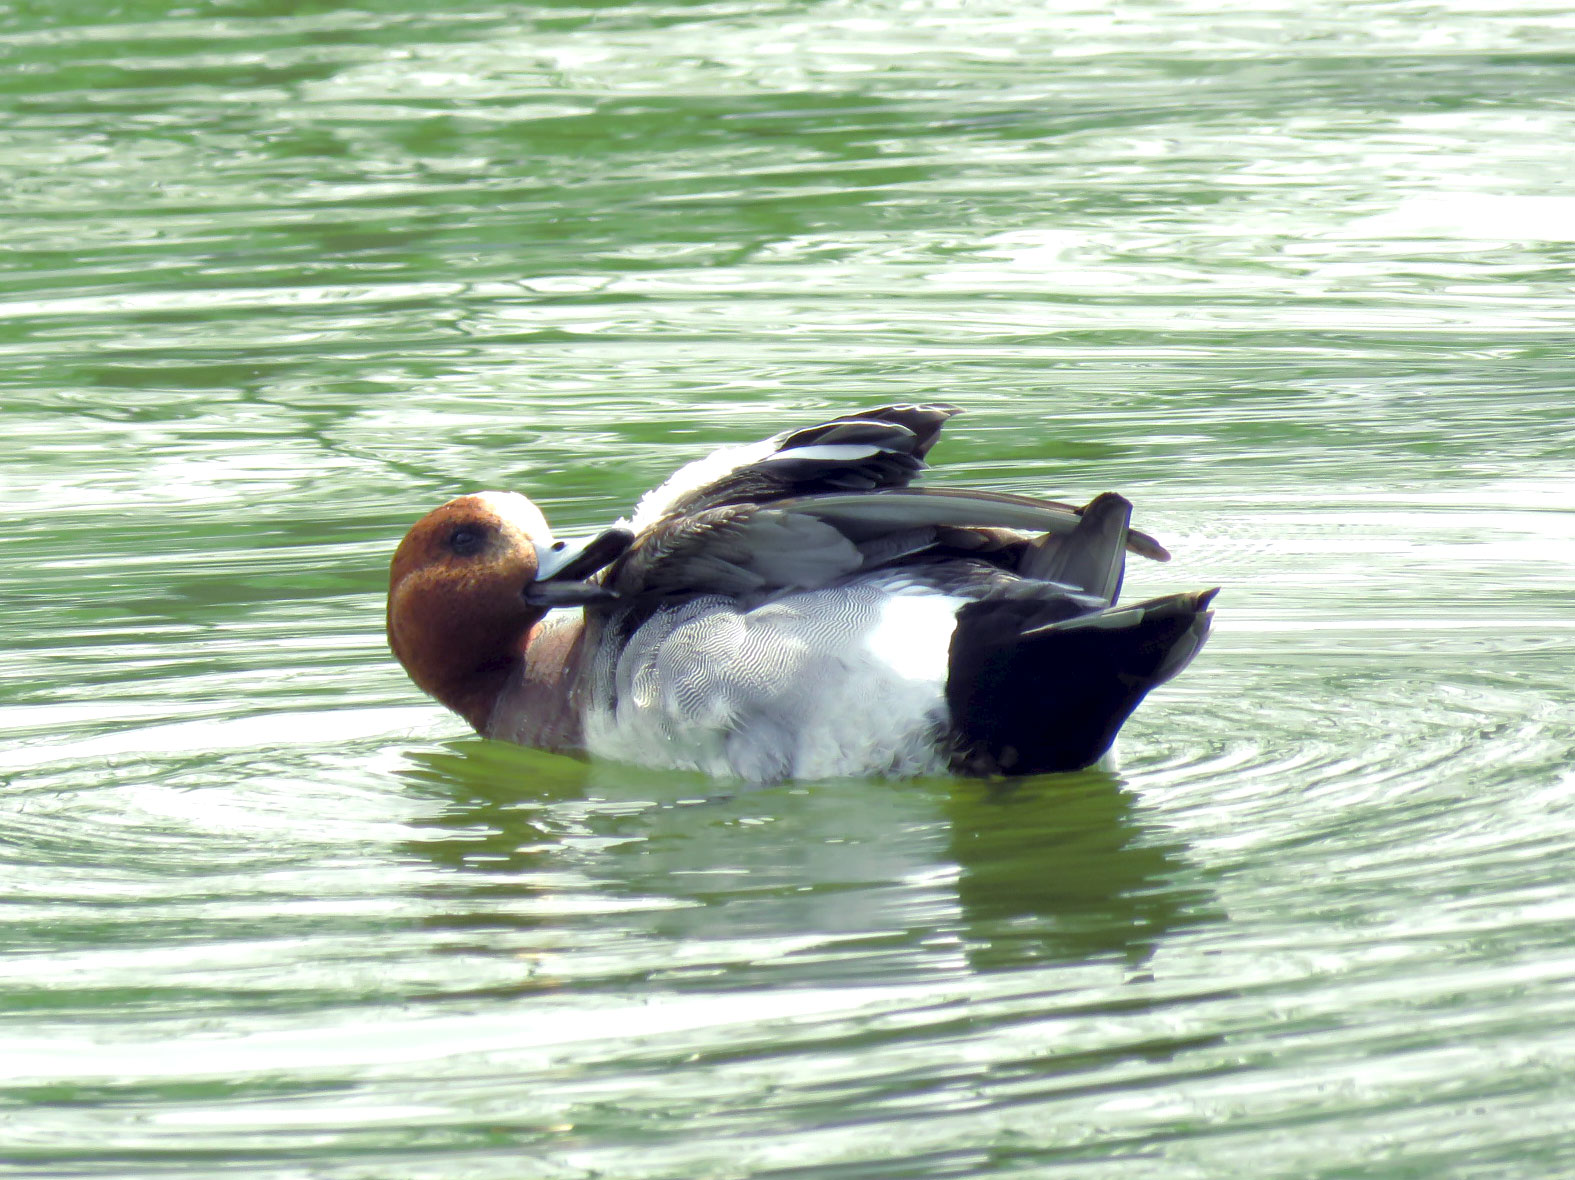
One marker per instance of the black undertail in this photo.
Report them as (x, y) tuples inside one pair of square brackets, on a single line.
[(1037, 686)]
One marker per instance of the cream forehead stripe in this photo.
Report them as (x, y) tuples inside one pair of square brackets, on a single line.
[(513, 508)]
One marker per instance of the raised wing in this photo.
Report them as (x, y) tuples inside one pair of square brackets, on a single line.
[(810, 506)]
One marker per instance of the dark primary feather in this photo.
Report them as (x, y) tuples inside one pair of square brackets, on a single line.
[(879, 449), (922, 421)]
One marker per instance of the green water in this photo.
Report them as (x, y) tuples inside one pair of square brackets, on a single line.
[(277, 278)]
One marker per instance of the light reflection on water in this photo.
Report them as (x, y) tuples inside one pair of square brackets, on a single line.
[(277, 282)]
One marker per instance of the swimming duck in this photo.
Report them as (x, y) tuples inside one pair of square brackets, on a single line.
[(794, 609)]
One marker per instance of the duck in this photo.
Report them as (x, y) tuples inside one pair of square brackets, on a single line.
[(795, 609)]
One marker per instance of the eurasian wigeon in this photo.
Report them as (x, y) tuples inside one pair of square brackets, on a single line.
[(792, 609)]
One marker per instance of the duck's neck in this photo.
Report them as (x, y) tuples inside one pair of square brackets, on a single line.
[(465, 666), (470, 687), (474, 694)]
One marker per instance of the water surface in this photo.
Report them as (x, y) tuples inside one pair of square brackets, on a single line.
[(277, 278)]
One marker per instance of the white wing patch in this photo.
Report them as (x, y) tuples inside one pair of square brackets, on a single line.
[(692, 476), (830, 453), (708, 469)]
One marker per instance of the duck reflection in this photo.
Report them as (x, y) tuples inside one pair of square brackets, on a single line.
[(1061, 868), (679, 877)]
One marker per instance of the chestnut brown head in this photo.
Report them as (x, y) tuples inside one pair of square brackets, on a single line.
[(457, 610)]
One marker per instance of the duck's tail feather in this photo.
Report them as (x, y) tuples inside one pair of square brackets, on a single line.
[(1092, 557), (1032, 691)]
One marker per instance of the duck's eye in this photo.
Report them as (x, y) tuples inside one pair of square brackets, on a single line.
[(466, 541)]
